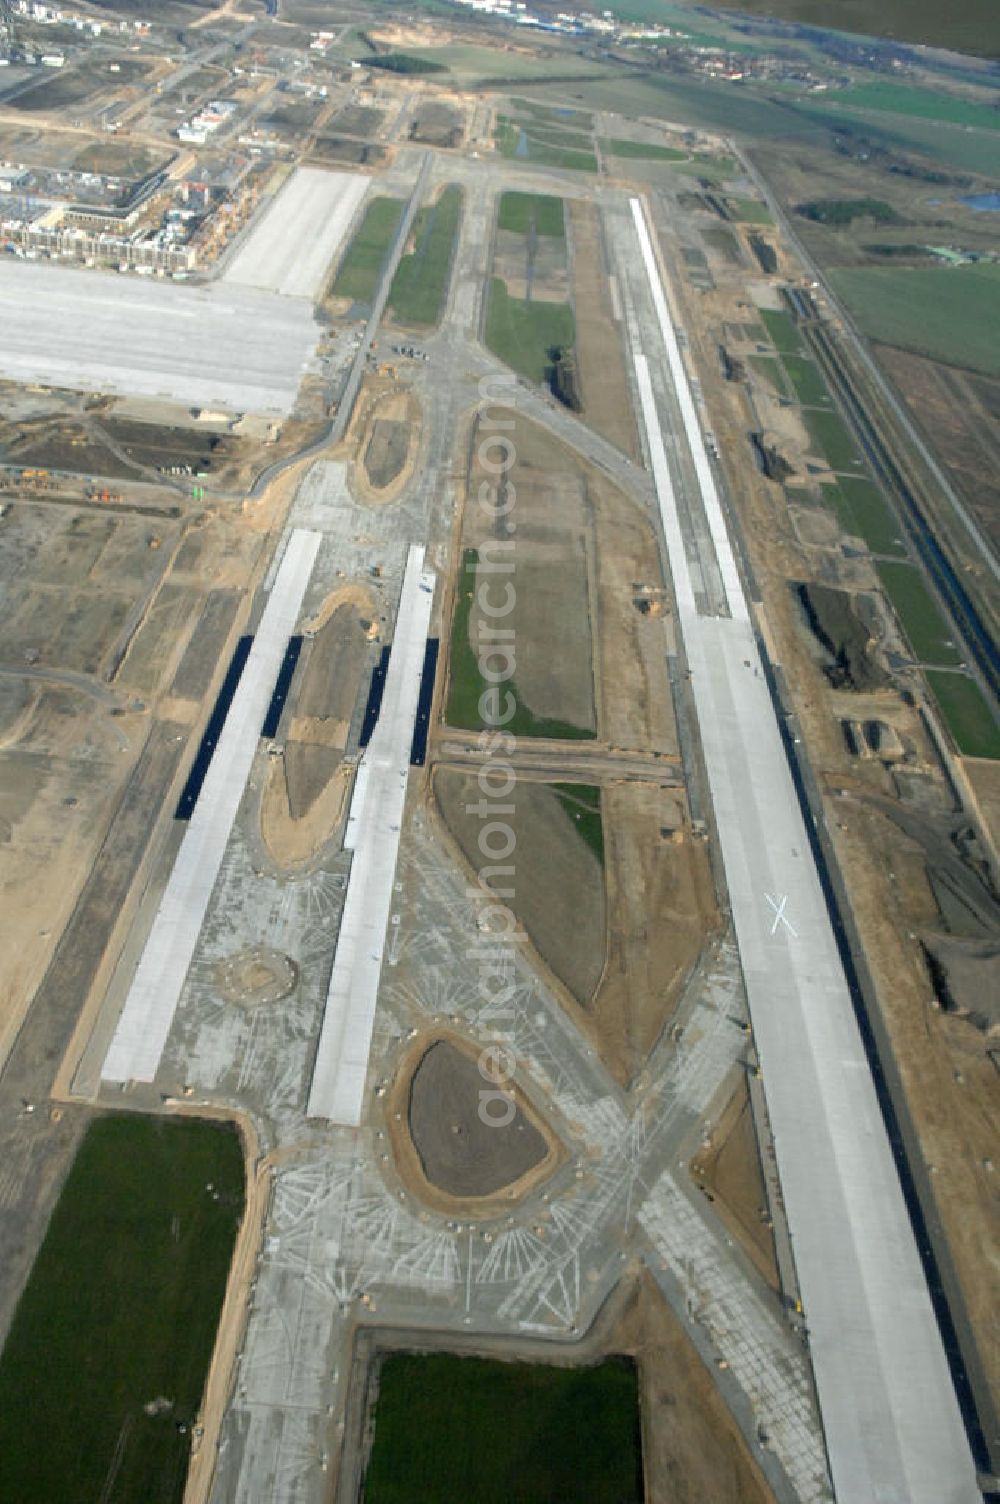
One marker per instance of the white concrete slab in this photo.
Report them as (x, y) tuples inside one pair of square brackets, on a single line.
[(337, 1092), (138, 1041), (290, 249), (692, 428), (218, 346), (893, 1429)]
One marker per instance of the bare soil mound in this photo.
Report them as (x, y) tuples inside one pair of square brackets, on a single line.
[(461, 1154), (843, 636)]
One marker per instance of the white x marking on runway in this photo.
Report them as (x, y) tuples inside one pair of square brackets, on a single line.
[(778, 905)]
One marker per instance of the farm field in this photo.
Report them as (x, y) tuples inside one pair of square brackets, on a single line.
[(927, 630), (948, 313), (449, 1428), (359, 271), (109, 1347), (967, 713), (925, 104), (966, 26), (421, 282)]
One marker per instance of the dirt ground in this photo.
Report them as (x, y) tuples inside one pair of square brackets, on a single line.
[(728, 1169), (558, 883), (294, 841), (661, 910), (443, 1151), (637, 711), (308, 783), (533, 267), (586, 558), (620, 940), (607, 405), (387, 447), (553, 576)]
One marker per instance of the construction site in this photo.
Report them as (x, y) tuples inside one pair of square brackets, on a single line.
[(484, 743)]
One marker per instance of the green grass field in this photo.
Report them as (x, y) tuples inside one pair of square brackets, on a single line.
[(466, 684), (359, 271), (646, 151), (807, 380), (927, 631), (523, 333), (750, 210), (469, 62), (578, 119), (420, 285), (712, 169), (781, 329), (923, 104), (450, 1429), (864, 513), (949, 313), (560, 137), (525, 142), (831, 438), (120, 1309), (518, 210), (966, 712), (773, 372), (582, 802)]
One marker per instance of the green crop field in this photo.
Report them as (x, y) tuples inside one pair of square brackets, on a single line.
[(582, 802), (518, 210), (949, 313), (967, 713), (523, 333), (359, 271), (924, 104), (453, 1428), (927, 631), (466, 683), (864, 513), (420, 285), (830, 437), (120, 1310), (647, 151), (807, 379), (750, 210), (782, 330)]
